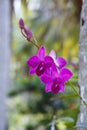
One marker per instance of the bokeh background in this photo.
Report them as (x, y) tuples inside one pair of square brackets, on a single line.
[(56, 25)]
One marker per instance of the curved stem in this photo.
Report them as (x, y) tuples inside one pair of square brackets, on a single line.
[(35, 44), (23, 34), (79, 96), (35, 41)]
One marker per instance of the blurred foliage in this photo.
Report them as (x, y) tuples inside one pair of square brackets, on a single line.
[(55, 24)]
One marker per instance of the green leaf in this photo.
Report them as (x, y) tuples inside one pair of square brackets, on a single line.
[(66, 119), (64, 97), (81, 125)]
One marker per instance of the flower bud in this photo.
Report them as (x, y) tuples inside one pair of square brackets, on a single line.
[(21, 23), (28, 33)]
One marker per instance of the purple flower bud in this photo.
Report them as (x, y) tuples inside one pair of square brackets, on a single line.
[(21, 23), (28, 33), (75, 65)]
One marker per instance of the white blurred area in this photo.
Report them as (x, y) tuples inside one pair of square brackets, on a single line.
[(32, 5)]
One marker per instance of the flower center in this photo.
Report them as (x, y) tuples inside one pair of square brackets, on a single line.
[(41, 68), (56, 85)]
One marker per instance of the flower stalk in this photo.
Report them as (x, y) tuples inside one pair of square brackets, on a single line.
[(75, 91)]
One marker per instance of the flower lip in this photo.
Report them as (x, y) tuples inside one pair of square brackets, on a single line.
[(56, 86), (41, 68)]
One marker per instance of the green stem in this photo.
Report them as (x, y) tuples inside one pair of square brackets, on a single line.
[(35, 41), (35, 44), (23, 33), (79, 96)]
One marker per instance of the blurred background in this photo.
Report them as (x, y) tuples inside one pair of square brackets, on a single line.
[(56, 25)]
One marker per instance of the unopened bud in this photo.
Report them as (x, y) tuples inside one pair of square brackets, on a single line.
[(28, 33), (21, 23)]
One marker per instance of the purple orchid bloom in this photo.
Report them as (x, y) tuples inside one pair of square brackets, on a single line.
[(59, 61), (40, 63), (56, 79)]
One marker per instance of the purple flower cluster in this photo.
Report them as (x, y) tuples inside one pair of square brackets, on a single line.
[(50, 69)]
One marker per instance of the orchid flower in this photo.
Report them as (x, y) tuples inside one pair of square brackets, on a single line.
[(56, 79), (40, 62)]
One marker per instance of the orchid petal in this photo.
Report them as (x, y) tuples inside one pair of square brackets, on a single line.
[(52, 54), (48, 88), (32, 71), (48, 61), (62, 88), (48, 71), (61, 62), (54, 70), (46, 79), (42, 52), (66, 74), (33, 61)]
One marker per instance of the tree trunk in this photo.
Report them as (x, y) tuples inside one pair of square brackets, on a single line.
[(83, 64), (5, 28)]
